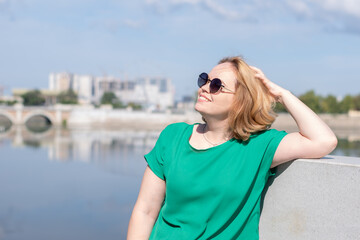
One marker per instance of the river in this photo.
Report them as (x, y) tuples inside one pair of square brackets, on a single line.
[(77, 184)]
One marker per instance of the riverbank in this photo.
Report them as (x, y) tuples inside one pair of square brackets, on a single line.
[(342, 124), (96, 117)]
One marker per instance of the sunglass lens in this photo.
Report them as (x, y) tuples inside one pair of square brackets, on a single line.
[(202, 80), (215, 85)]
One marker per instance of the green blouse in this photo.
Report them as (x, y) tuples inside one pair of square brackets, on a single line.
[(213, 193)]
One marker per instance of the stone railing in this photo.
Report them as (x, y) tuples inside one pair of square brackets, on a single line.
[(313, 199)]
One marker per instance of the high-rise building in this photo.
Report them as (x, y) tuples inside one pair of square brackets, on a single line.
[(60, 81), (156, 93), (105, 84), (153, 93), (83, 85), (150, 92)]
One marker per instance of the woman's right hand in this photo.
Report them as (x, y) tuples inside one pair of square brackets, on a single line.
[(275, 90)]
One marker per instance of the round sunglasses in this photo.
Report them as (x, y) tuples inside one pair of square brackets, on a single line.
[(215, 84)]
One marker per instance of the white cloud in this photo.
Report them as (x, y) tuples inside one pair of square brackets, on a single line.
[(351, 7), (343, 7), (114, 25), (300, 7), (186, 1), (339, 15), (343, 15), (223, 9), (172, 2)]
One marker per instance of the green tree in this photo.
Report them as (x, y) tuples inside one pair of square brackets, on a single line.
[(8, 102), (356, 102), (135, 106), (111, 98), (108, 98), (33, 98), (279, 108), (118, 104), (11, 103), (346, 104), (312, 101), (68, 97), (330, 104)]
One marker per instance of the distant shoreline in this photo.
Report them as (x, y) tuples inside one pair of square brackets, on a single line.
[(107, 118), (341, 124)]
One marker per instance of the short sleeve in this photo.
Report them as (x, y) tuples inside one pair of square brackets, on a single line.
[(274, 140), (155, 158)]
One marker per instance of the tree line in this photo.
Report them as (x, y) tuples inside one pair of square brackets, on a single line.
[(35, 98), (111, 99), (318, 103), (326, 104)]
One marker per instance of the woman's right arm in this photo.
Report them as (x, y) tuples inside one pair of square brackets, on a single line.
[(147, 206)]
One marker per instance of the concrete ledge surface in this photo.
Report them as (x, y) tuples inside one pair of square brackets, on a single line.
[(313, 199)]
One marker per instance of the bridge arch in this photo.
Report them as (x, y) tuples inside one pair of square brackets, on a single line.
[(39, 113), (7, 115)]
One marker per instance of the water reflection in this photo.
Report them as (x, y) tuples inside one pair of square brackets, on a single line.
[(82, 144), (38, 124), (92, 145), (113, 150), (5, 123), (48, 199), (348, 147)]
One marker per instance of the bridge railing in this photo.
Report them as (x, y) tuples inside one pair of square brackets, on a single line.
[(50, 107)]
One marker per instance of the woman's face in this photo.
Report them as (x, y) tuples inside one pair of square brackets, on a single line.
[(217, 104)]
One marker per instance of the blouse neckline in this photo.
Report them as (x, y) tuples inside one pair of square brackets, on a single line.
[(189, 134)]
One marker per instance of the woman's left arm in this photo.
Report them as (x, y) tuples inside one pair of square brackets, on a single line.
[(314, 140)]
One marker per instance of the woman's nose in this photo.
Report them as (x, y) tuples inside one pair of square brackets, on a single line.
[(206, 86)]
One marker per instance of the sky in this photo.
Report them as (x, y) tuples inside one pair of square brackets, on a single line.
[(299, 44)]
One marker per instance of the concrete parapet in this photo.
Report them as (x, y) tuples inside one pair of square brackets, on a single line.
[(354, 113), (313, 199), (128, 119), (341, 122)]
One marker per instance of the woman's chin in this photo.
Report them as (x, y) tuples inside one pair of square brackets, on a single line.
[(200, 108)]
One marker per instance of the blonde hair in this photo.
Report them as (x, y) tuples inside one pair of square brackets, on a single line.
[(252, 109)]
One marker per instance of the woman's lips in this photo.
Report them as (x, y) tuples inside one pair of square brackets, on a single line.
[(203, 98)]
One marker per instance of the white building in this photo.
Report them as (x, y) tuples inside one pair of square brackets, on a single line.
[(155, 93), (83, 85), (60, 81), (105, 84), (151, 93)]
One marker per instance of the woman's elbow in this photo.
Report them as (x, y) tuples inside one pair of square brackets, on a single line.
[(327, 145), (333, 143)]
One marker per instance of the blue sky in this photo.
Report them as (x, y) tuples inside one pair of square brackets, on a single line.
[(299, 44)]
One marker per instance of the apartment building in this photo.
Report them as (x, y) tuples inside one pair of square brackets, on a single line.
[(60, 81), (153, 93), (83, 85)]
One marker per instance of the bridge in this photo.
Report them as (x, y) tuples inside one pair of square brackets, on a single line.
[(20, 114)]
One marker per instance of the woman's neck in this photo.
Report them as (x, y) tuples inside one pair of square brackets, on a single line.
[(217, 131)]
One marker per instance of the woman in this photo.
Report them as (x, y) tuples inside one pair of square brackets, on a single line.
[(204, 181)]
